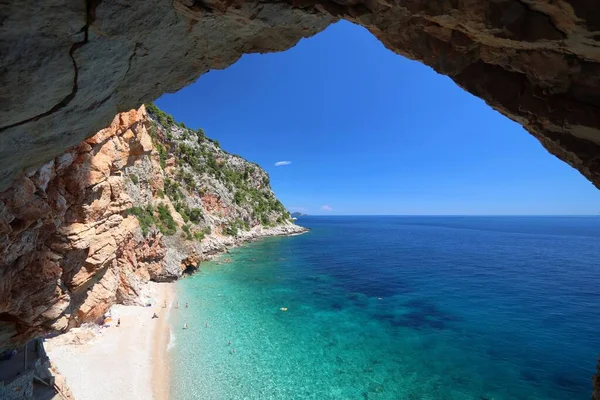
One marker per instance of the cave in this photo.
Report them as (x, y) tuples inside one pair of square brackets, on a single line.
[(69, 68)]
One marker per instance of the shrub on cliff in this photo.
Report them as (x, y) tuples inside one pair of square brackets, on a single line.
[(167, 224), (147, 218), (196, 215), (172, 190), (187, 234), (183, 210), (215, 142), (237, 225), (134, 178), (231, 230), (165, 119), (162, 154), (239, 197)]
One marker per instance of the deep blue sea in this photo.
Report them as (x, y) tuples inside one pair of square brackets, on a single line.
[(396, 308)]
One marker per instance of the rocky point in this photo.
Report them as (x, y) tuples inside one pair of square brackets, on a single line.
[(143, 199)]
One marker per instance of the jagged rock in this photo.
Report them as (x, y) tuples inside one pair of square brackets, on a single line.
[(69, 250), (535, 61), (70, 67)]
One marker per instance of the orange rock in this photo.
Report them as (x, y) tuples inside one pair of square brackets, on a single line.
[(69, 251)]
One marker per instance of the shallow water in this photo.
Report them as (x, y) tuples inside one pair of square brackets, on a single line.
[(396, 308)]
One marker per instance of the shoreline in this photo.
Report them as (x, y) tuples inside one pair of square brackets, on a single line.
[(222, 245), (125, 362), (134, 358), (161, 367)]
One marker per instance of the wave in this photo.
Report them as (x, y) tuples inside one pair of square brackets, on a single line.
[(171, 343)]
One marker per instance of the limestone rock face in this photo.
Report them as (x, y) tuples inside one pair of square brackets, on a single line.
[(70, 247), (70, 67), (67, 249)]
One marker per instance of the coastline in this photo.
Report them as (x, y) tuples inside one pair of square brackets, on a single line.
[(215, 246), (161, 369), (134, 357), (125, 362)]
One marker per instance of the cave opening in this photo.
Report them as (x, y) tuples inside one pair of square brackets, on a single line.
[(340, 99), (534, 62)]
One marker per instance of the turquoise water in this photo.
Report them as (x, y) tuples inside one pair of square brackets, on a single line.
[(396, 308)]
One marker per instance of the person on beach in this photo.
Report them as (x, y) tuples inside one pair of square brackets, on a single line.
[(177, 305), (165, 304), (118, 322), (154, 316)]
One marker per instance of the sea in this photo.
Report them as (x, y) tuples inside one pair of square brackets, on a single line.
[(390, 307)]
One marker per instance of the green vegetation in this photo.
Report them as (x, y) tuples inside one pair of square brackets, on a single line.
[(167, 224), (183, 210), (196, 157), (173, 190), (195, 215), (134, 178), (214, 141), (153, 132), (199, 235), (234, 228), (165, 119), (162, 154), (186, 232), (145, 216), (231, 230), (239, 197), (187, 178), (159, 217)]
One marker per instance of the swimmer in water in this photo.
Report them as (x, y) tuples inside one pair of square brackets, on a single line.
[(177, 305), (186, 305), (185, 326)]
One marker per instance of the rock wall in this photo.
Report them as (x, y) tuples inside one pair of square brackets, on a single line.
[(69, 67), (70, 246)]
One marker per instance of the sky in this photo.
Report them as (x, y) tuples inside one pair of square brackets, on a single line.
[(344, 126)]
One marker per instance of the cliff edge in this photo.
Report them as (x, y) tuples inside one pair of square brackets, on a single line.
[(143, 199)]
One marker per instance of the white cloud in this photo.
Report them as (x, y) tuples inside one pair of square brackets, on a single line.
[(281, 163), (326, 208)]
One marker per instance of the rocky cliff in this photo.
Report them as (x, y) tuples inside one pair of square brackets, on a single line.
[(143, 199), (69, 67)]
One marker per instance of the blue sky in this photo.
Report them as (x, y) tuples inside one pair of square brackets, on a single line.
[(366, 131)]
